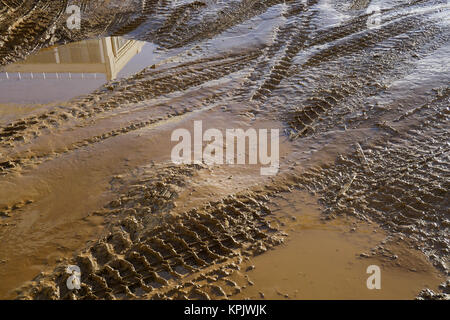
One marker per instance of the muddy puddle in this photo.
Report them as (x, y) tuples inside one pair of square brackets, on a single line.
[(60, 73), (328, 260), (358, 91)]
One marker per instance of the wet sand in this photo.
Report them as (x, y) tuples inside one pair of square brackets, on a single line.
[(86, 176)]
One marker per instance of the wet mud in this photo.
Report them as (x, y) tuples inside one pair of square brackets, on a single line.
[(364, 167)]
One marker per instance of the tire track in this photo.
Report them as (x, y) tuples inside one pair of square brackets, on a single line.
[(401, 183), (328, 106), (141, 260), (31, 31), (144, 86)]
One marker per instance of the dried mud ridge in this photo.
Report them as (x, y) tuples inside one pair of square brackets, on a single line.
[(155, 256)]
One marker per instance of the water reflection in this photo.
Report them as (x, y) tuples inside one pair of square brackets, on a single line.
[(68, 70)]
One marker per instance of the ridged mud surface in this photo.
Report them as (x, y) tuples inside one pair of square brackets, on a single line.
[(151, 255), (364, 111), (401, 183)]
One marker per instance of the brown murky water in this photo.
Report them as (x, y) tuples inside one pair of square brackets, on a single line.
[(86, 177), (323, 260)]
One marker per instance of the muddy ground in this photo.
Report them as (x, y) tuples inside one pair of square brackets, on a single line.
[(364, 154)]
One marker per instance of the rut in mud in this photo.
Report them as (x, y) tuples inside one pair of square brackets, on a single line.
[(401, 183), (156, 256), (145, 85), (380, 93)]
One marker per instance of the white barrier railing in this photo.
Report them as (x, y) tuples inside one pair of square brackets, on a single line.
[(11, 76)]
